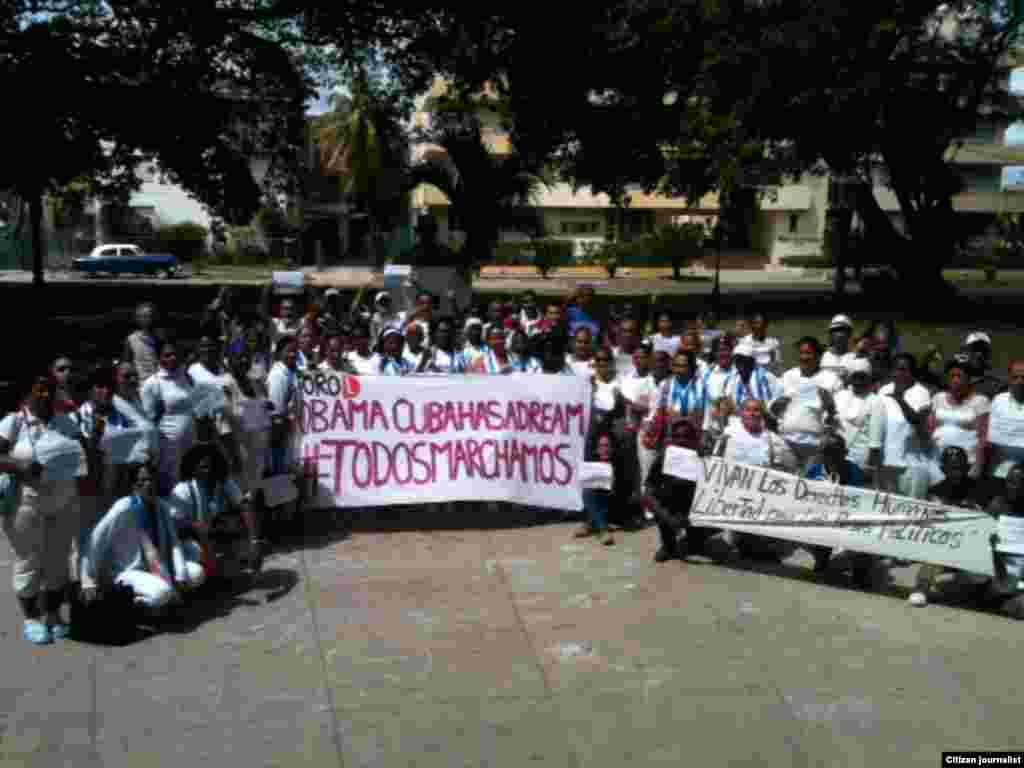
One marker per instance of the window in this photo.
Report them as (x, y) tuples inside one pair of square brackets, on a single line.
[(581, 227), (794, 223)]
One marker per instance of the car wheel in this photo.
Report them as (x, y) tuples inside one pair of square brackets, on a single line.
[(164, 274)]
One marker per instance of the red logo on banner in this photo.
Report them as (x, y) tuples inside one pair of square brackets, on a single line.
[(350, 388)]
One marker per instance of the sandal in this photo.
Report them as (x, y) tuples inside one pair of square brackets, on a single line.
[(584, 532), (36, 632)]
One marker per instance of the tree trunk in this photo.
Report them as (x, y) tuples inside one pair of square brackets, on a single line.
[(36, 223)]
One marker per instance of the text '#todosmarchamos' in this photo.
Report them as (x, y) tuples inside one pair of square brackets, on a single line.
[(502, 440)]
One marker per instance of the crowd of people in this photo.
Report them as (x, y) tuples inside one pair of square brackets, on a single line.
[(191, 507)]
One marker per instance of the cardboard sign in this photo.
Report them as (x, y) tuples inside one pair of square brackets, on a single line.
[(288, 283), (208, 400), (127, 446), (280, 489), (683, 463)]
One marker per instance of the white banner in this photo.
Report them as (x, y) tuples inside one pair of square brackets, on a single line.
[(769, 503), (379, 440)]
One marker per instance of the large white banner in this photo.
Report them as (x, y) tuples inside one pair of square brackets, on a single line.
[(378, 440), (769, 503)]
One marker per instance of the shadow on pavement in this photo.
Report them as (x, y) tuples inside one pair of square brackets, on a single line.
[(210, 602)]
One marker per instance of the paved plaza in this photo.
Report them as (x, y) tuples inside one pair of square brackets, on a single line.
[(521, 647)]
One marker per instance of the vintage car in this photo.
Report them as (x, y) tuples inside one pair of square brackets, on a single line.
[(117, 259)]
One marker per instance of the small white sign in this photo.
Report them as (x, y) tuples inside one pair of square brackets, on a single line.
[(288, 282), (596, 476), (280, 489), (62, 458), (398, 270), (683, 463), (126, 446)]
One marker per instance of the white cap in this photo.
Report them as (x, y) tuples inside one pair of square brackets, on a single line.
[(381, 297), (332, 292), (470, 321), (840, 321), (858, 365), (977, 336), (743, 349)]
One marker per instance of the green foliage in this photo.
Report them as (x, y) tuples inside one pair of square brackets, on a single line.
[(548, 255), (185, 240), (819, 261)]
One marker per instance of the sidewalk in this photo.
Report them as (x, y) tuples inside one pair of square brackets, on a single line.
[(521, 647)]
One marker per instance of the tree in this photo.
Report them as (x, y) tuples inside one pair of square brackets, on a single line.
[(361, 141), (488, 191), (143, 81), (889, 108)]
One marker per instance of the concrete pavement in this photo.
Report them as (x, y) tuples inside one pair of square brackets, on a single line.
[(521, 647)]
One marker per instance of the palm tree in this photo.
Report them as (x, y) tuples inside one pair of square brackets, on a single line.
[(488, 191), (361, 141)]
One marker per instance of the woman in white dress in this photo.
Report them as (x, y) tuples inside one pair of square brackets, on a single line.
[(960, 417), (167, 400)]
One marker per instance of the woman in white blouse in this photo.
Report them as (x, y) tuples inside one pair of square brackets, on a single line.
[(960, 417), (855, 407), (167, 400), (807, 403), (607, 390), (900, 445), (582, 357)]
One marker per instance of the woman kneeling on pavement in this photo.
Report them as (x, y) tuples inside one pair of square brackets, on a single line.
[(211, 514), (135, 546)]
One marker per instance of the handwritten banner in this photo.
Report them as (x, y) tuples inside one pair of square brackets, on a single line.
[(769, 503), (382, 440)]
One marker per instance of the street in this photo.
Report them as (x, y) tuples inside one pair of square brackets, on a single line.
[(521, 646)]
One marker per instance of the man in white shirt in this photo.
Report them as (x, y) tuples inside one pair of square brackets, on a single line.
[(839, 356)]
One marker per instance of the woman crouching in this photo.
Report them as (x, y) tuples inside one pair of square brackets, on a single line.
[(135, 546), (212, 516)]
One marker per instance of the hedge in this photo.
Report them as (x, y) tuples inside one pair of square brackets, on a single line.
[(813, 261)]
